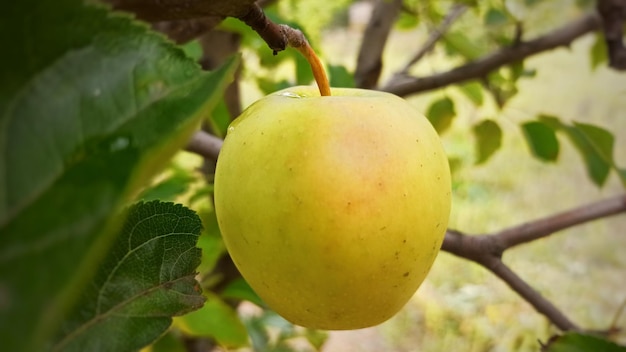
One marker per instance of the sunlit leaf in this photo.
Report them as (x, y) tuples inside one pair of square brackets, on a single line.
[(458, 42), (488, 139), (474, 91), (495, 17), (216, 320), (598, 51), (147, 277), (541, 140), (239, 289), (440, 114), (340, 77)]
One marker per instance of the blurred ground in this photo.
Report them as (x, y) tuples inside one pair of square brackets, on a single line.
[(462, 307)]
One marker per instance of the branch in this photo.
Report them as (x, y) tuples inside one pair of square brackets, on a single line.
[(405, 85), (456, 12), (369, 61), (613, 13), (205, 145), (544, 227), (156, 11), (487, 250)]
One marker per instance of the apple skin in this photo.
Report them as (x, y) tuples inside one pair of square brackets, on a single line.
[(333, 208)]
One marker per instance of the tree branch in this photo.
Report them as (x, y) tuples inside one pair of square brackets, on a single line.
[(406, 85), (613, 13), (544, 227), (205, 145), (169, 10), (369, 61), (487, 250), (529, 294), (455, 12)]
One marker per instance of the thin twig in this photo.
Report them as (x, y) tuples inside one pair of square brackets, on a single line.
[(529, 294), (369, 60), (536, 229), (455, 12), (403, 85), (205, 144)]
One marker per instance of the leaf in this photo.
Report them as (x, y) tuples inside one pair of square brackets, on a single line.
[(458, 42), (488, 139), (147, 277), (597, 167), (598, 51), (541, 140), (167, 343), (92, 104), (589, 141), (576, 342), (170, 188), (601, 139), (474, 91), (340, 77), (440, 114), (217, 320), (495, 18), (304, 74), (240, 290)]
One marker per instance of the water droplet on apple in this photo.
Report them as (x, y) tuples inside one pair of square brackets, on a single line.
[(290, 95), (231, 129)]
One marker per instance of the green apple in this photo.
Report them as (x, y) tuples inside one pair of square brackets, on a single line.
[(333, 208)]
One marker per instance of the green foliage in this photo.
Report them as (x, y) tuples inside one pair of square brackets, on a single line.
[(269, 332), (488, 139), (594, 144), (542, 140), (92, 104), (577, 342), (147, 277), (440, 114), (216, 320)]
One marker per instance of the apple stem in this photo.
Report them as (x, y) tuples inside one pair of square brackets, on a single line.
[(295, 39)]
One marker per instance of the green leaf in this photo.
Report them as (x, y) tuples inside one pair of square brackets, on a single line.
[(240, 290), (488, 139), (304, 74), (593, 143), (147, 277), (597, 167), (541, 140), (599, 138), (474, 91), (170, 188), (495, 17), (440, 113), (576, 342), (340, 77), (211, 242), (598, 51), (92, 104), (168, 343), (458, 43), (316, 338), (216, 320)]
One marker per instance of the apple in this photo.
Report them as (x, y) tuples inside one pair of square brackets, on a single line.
[(333, 208)]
